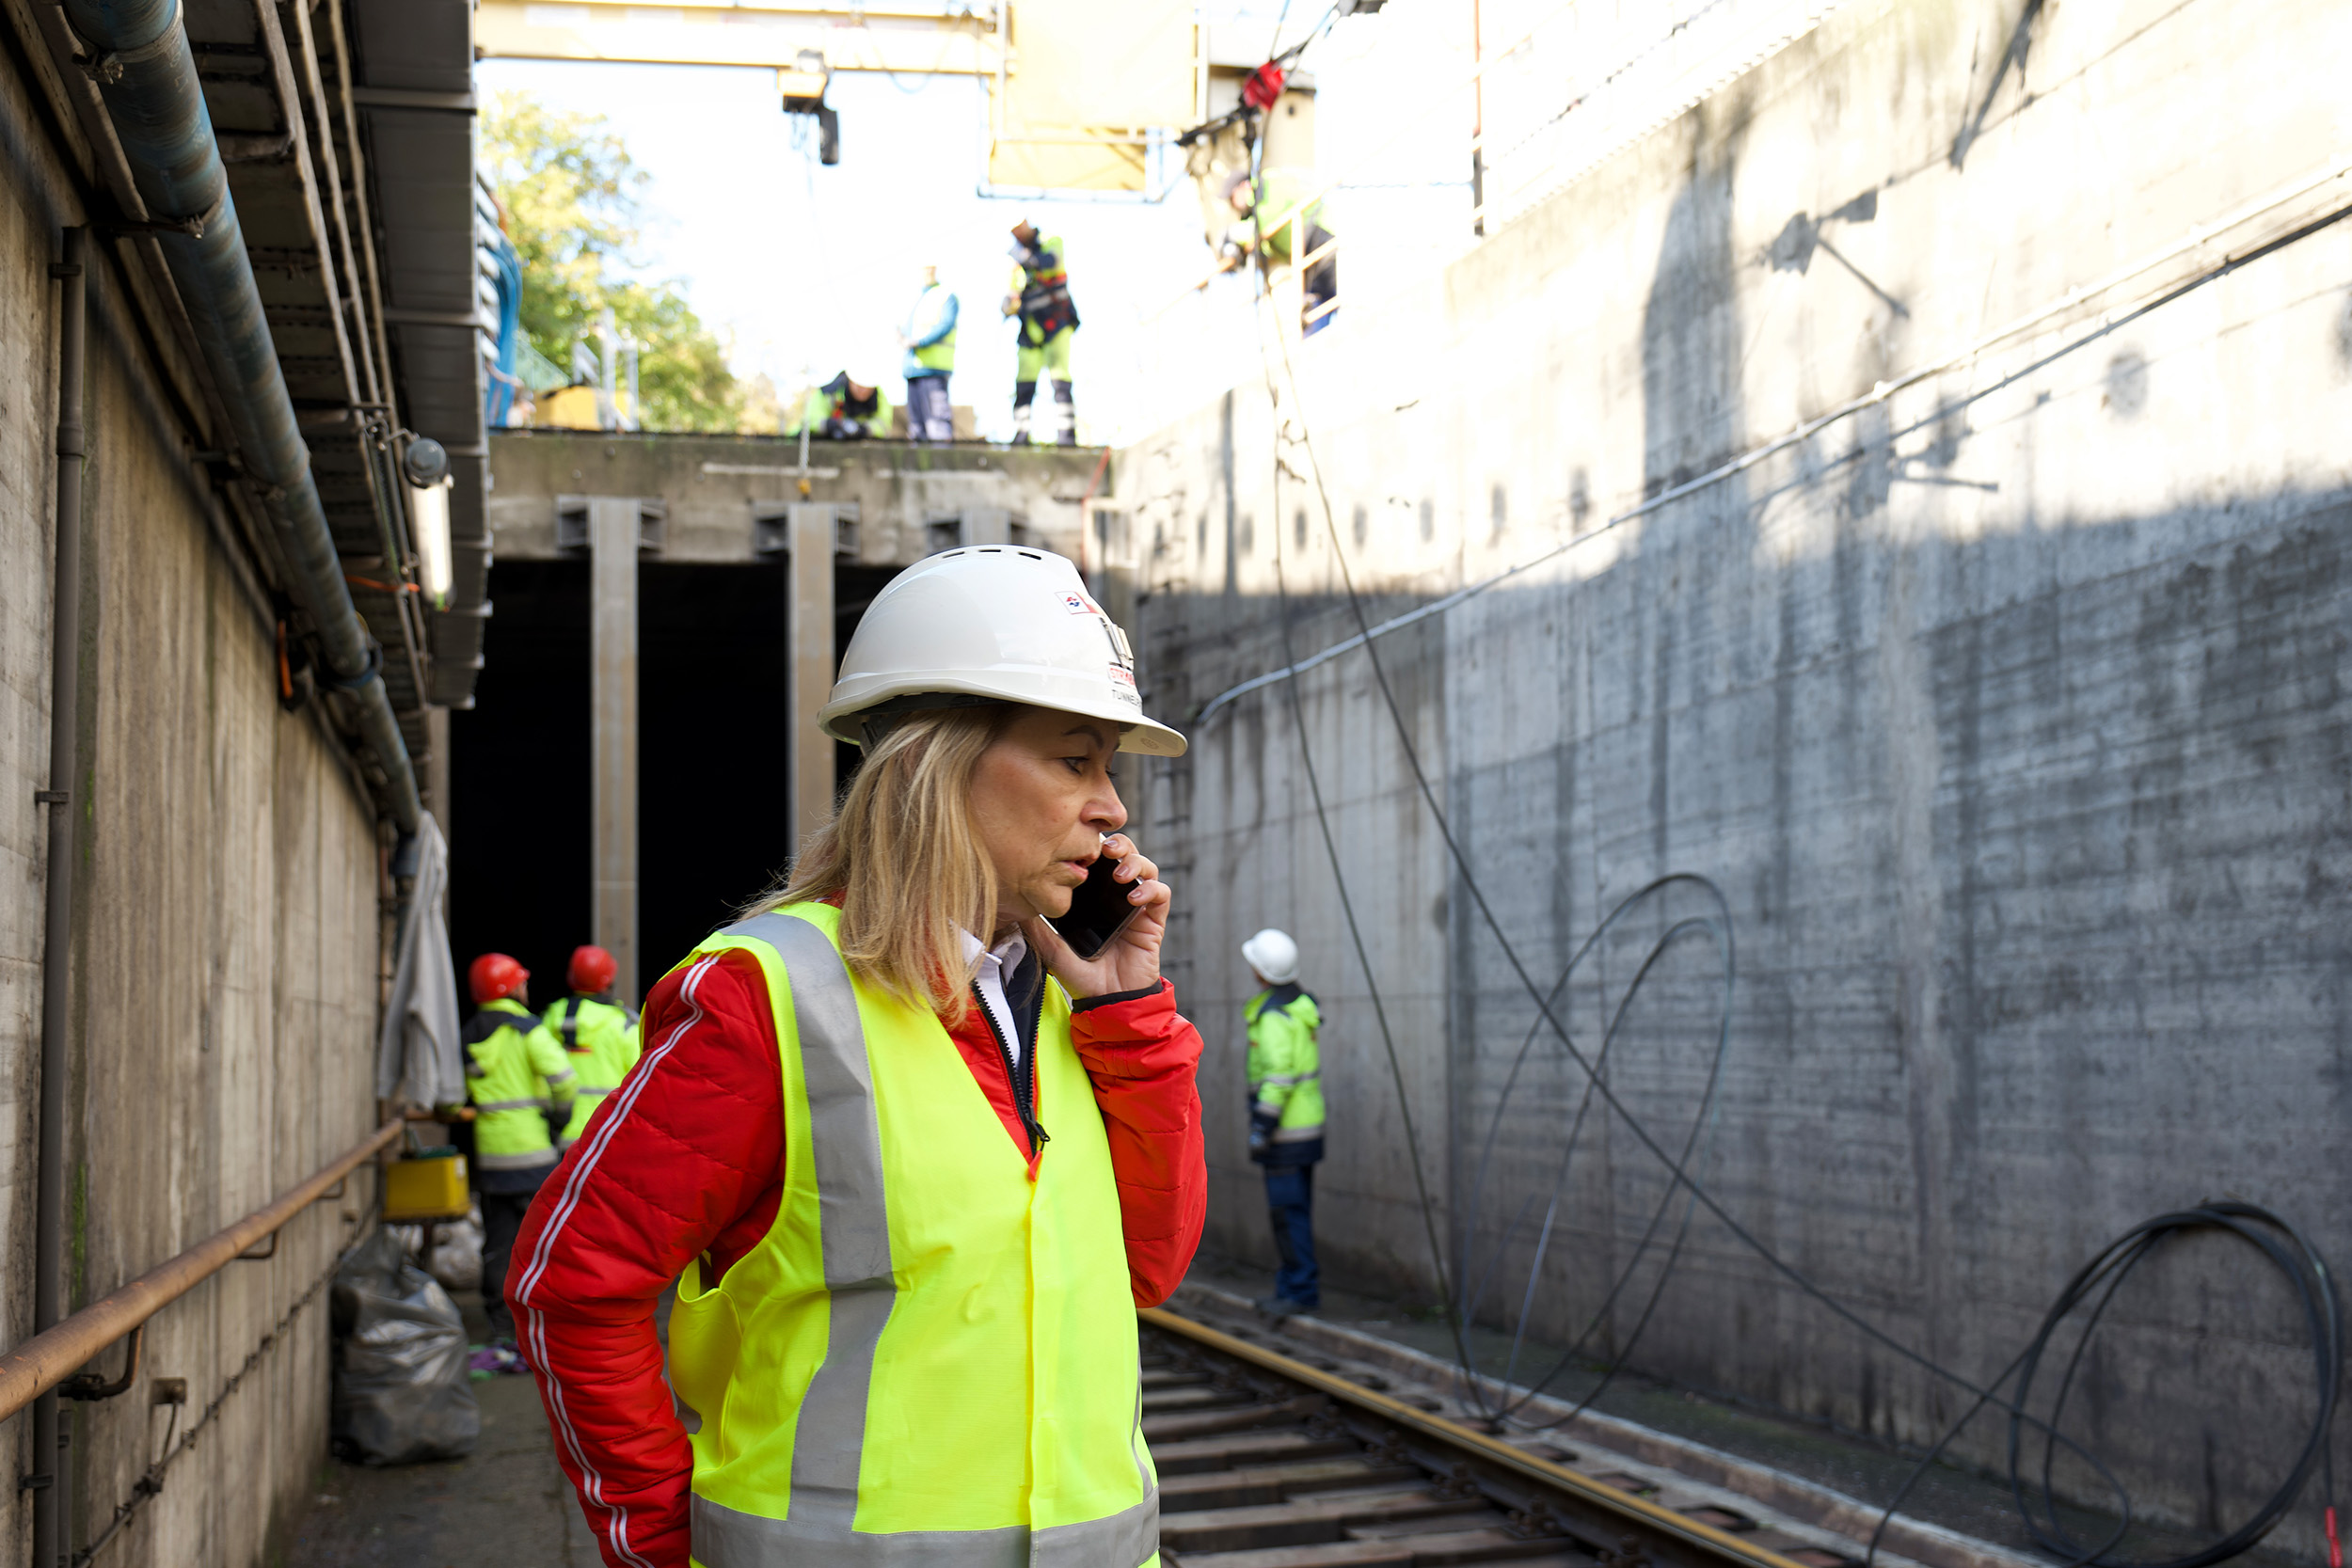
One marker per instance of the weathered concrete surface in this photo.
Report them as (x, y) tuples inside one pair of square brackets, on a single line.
[(226, 943), (2009, 714), (714, 486)]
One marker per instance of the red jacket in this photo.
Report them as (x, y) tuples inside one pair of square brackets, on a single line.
[(686, 1159)]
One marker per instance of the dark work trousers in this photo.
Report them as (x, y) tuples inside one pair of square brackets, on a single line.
[(930, 416), (1290, 1197), (502, 1217), (1322, 284)]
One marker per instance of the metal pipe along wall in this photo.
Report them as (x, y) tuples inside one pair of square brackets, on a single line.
[(65, 688), (148, 79)]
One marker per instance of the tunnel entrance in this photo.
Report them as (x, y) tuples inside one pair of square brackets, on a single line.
[(714, 726)]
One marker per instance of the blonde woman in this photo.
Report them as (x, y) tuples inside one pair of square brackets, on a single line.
[(911, 1189)]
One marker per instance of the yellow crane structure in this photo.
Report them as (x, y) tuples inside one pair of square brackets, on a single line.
[(1080, 92)]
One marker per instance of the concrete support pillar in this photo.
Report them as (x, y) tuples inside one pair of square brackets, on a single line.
[(809, 586), (437, 767), (614, 539)]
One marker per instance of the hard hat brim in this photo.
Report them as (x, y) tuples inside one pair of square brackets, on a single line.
[(1144, 736)]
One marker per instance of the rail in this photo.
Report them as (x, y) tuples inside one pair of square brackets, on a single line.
[(47, 1359), (1307, 1495)]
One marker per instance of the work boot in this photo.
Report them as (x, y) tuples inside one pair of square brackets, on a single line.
[(1278, 1307)]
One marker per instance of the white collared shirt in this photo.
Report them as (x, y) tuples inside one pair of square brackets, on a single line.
[(997, 965)]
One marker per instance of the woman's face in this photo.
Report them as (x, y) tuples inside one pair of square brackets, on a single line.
[(1041, 801)]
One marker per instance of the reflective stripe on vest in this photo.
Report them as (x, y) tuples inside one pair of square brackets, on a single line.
[(722, 1536), (1049, 1313), (854, 1225)]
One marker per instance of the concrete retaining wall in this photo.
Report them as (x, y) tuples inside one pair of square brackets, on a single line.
[(2009, 713), (226, 942)]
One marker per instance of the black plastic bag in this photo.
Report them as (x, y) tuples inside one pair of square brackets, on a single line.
[(402, 1394)]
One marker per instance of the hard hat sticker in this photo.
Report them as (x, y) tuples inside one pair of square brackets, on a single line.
[(1123, 687), (1076, 603)]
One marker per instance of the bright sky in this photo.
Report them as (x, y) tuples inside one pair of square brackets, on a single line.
[(809, 270)]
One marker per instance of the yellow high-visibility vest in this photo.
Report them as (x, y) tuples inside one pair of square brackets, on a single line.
[(600, 1037), (930, 1361), (514, 1073)]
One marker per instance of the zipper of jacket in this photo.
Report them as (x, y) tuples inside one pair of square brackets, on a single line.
[(1022, 1075)]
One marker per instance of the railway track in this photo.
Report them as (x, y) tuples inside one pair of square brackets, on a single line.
[(1270, 1462)]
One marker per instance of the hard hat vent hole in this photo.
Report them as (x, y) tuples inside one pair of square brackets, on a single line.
[(1032, 555)]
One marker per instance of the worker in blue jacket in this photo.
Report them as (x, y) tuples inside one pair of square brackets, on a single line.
[(929, 337)]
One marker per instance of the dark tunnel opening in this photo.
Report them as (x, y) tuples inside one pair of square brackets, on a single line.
[(519, 779), (714, 732)]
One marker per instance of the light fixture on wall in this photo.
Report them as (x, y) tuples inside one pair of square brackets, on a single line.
[(428, 513)]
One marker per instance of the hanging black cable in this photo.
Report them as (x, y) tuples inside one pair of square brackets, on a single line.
[(1347, 905)]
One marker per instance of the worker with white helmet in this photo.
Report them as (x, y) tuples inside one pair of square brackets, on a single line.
[(904, 1332), (929, 338), (1285, 1114)]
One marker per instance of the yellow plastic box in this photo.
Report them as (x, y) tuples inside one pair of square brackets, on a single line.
[(433, 1189)]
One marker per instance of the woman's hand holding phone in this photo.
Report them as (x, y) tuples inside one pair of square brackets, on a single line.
[(1130, 961)]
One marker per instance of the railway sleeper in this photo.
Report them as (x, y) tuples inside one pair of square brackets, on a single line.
[(1236, 1450), (1274, 1484), (1536, 1509), (1425, 1551), (1204, 1423), (1302, 1520)]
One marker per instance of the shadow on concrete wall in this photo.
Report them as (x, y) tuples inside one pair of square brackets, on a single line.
[(2039, 889)]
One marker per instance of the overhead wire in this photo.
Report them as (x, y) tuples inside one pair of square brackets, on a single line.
[(2337, 168), (2327, 1346)]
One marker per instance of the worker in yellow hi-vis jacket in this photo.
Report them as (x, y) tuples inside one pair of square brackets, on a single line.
[(598, 1032), (1040, 301), (1286, 1114), (522, 1085)]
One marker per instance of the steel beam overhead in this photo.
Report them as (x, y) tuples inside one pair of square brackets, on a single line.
[(750, 35)]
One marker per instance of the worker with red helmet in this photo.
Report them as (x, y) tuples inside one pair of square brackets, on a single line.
[(598, 1032), (519, 1080)]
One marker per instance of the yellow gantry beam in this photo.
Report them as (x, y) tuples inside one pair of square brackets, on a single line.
[(753, 33)]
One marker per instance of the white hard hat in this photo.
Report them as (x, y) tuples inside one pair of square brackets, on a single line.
[(992, 623), (1272, 954)]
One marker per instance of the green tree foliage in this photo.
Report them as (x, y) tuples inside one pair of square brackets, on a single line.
[(570, 193)]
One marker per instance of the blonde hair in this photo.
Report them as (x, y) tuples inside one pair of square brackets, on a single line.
[(902, 855)]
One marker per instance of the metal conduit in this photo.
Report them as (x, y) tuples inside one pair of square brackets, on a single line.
[(65, 693), (147, 77)]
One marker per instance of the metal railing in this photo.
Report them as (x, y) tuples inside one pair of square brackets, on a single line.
[(48, 1359)]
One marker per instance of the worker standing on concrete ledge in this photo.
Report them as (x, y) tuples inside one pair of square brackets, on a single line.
[(1285, 1114), (1263, 226), (842, 410), (1040, 300), (522, 1085), (929, 337), (905, 1332), (598, 1034)]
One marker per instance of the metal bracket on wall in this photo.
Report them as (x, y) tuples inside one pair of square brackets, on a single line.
[(571, 525), (772, 529), (90, 1386)]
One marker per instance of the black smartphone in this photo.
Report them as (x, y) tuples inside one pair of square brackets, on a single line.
[(1098, 910)]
